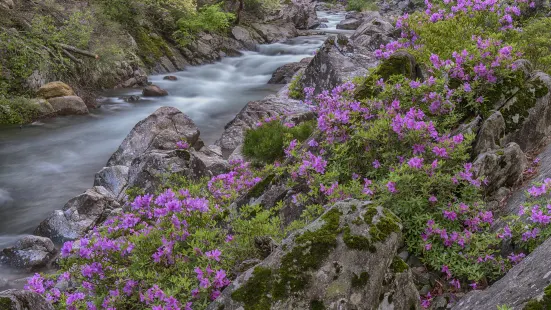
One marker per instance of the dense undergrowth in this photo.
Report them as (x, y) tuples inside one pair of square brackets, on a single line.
[(392, 145)]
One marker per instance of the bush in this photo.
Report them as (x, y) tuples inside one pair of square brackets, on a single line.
[(295, 88), (362, 5), (209, 18), (18, 110), (535, 43), (265, 143)]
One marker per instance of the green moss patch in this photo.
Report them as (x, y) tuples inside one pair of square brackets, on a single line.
[(359, 281), (398, 265)]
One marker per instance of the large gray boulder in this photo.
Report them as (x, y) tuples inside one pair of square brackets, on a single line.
[(247, 36), (490, 134), (502, 167), (211, 157), (373, 32), (159, 131), (23, 300), (349, 24), (334, 64), (301, 13), (30, 253), (285, 73), (344, 260), (114, 179), (275, 31), (524, 282), (79, 215), (251, 114)]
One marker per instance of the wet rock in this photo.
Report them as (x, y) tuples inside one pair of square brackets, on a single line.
[(334, 64), (524, 282), (252, 113), (114, 179), (276, 31), (490, 134), (170, 78), (502, 168), (333, 263), (349, 24), (285, 73), (159, 131), (78, 216), (23, 300), (247, 36), (55, 89), (30, 253), (132, 98), (154, 91), (68, 105)]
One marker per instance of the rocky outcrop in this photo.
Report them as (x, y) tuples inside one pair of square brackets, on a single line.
[(23, 300), (29, 253), (79, 215), (276, 31), (349, 24), (285, 73), (302, 13), (501, 168), (490, 134), (55, 89), (68, 105), (344, 260), (373, 32), (154, 91), (334, 64), (251, 114), (524, 282)]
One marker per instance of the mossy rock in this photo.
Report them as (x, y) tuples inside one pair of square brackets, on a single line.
[(55, 89)]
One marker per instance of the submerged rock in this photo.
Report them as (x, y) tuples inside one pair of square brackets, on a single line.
[(154, 91), (79, 215), (55, 89), (170, 78), (30, 253), (23, 300), (344, 260)]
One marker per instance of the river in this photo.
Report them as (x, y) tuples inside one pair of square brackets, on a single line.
[(45, 164)]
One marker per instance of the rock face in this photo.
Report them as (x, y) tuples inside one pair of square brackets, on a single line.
[(30, 253), (490, 134), (302, 13), (344, 260), (373, 32), (159, 131), (154, 91), (334, 64), (23, 300), (349, 24), (78, 215), (524, 282), (502, 168), (68, 105), (251, 114), (285, 73), (55, 89)]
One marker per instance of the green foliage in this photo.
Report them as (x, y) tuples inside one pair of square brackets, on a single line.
[(18, 110), (359, 281), (209, 18), (535, 42), (362, 5), (398, 265), (296, 91), (265, 143)]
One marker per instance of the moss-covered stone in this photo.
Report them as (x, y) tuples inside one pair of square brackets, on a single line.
[(5, 303), (356, 242), (255, 293), (398, 265), (317, 305), (386, 225), (359, 281), (543, 304), (151, 46)]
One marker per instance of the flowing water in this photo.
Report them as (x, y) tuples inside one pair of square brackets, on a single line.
[(45, 164)]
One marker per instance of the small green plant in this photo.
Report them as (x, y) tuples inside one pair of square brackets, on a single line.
[(295, 88), (504, 307), (265, 143), (209, 18), (362, 5)]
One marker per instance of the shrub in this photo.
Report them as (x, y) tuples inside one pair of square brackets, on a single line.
[(535, 43), (295, 88), (209, 18), (362, 5), (265, 143), (18, 110)]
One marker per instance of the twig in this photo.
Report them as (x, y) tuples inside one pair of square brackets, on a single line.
[(70, 56)]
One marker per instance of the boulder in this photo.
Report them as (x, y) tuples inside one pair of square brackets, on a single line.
[(149, 171), (349, 24), (247, 36), (79, 215), (55, 89), (170, 78), (275, 31), (44, 107), (373, 32), (347, 259), (159, 131), (114, 179), (490, 134), (213, 160), (30, 253), (23, 300), (6, 4), (527, 114), (252, 113), (154, 91), (285, 73), (68, 105), (301, 13), (334, 64), (524, 282), (501, 168)]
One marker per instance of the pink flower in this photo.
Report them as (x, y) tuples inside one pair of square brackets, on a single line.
[(391, 186)]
